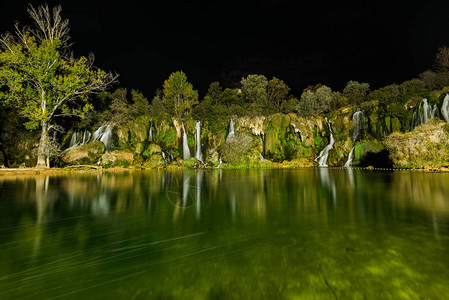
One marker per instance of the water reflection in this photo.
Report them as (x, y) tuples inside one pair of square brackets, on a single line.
[(220, 232)]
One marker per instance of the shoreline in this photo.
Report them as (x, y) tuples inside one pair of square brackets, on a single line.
[(96, 169)]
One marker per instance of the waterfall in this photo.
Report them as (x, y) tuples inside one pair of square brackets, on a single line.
[(79, 138), (350, 158), (104, 135), (150, 133), (424, 113), (185, 144), (231, 130), (445, 109), (324, 154), (358, 118), (198, 141)]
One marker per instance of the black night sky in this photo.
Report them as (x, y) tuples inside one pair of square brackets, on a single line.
[(302, 43)]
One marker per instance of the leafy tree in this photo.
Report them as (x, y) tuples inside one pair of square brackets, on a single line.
[(157, 106), (290, 105), (277, 92), (232, 97), (120, 111), (41, 79), (179, 95), (389, 93), (254, 87), (356, 92), (214, 94), (140, 104), (315, 101)]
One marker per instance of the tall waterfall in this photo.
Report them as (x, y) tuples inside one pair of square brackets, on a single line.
[(198, 141), (424, 113), (324, 154), (231, 129), (79, 138), (150, 133), (104, 135), (350, 158), (358, 118), (445, 108), (185, 144)]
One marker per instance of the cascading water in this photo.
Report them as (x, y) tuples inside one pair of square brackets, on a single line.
[(358, 118), (445, 108), (231, 130), (198, 141), (104, 135), (185, 144), (79, 138), (150, 133), (350, 158), (424, 113), (324, 154)]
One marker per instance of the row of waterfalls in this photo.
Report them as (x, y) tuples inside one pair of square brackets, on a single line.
[(422, 114)]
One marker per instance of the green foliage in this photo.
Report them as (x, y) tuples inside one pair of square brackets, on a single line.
[(315, 101), (214, 94), (232, 97), (40, 80), (338, 100), (140, 104), (254, 87), (412, 88), (355, 92), (389, 93), (179, 95), (290, 105)]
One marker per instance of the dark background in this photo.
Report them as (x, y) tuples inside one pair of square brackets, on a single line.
[(302, 43)]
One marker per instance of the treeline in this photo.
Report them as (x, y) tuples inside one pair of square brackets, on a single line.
[(259, 96)]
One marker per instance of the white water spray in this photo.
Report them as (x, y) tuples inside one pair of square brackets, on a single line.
[(324, 154)]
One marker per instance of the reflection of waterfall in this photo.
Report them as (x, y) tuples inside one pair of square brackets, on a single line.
[(198, 141), (424, 113), (185, 144), (445, 108), (79, 138), (350, 158), (104, 135), (324, 154), (101, 205), (231, 130), (329, 183), (359, 123)]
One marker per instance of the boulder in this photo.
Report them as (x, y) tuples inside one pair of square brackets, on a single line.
[(117, 158), (87, 154)]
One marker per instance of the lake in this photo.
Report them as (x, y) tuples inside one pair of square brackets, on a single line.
[(225, 234)]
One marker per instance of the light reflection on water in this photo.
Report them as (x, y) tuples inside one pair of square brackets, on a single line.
[(225, 234)]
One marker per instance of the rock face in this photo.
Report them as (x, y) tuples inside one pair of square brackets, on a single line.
[(87, 154), (285, 138), (427, 146)]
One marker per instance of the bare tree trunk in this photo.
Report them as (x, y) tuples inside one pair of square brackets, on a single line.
[(41, 162)]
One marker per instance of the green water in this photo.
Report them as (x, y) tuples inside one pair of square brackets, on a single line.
[(226, 234)]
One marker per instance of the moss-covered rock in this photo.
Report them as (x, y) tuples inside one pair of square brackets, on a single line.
[(426, 146), (87, 154), (155, 161)]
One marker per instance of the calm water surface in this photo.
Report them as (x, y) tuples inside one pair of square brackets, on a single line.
[(225, 234)]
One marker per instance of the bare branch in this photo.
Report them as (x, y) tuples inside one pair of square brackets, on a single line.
[(50, 26)]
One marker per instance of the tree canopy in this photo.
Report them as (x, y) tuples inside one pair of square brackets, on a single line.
[(179, 95), (40, 77)]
